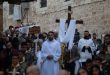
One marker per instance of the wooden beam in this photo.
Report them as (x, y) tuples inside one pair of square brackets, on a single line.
[(77, 21), (69, 17)]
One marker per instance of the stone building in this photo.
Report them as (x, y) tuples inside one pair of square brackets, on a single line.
[(94, 13), (8, 14)]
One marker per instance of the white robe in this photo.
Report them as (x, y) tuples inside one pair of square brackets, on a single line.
[(50, 67), (85, 55)]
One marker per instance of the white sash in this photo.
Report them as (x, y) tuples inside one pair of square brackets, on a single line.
[(69, 36)]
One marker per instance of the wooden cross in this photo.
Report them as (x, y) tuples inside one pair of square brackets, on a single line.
[(69, 17), (68, 54)]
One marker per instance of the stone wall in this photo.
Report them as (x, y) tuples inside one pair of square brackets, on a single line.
[(9, 18), (94, 13)]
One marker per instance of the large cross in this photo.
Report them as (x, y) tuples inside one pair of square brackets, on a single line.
[(69, 17), (68, 54)]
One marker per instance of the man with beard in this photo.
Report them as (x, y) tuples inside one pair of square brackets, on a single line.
[(106, 50), (51, 52), (107, 42), (86, 47)]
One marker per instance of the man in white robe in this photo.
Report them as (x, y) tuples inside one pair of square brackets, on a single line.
[(86, 48), (51, 52)]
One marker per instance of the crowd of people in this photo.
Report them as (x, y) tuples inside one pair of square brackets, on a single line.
[(40, 54)]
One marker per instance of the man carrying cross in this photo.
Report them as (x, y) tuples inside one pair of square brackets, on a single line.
[(68, 38)]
